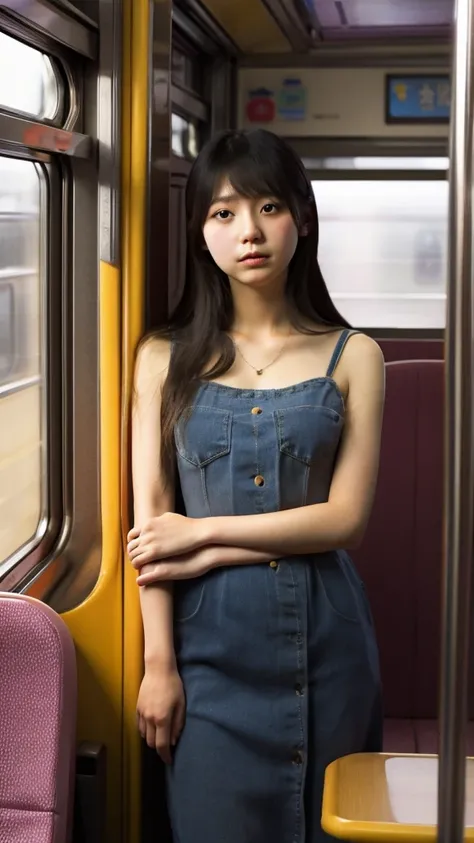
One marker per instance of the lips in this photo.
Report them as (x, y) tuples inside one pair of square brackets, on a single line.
[(252, 257)]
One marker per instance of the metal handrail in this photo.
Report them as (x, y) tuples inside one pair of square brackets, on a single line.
[(459, 446)]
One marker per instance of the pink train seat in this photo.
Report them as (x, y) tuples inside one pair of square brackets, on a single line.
[(37, 723), (401, 555)]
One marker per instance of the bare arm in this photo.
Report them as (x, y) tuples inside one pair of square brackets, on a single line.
[(199, 562), (338, 523), (151, 498)]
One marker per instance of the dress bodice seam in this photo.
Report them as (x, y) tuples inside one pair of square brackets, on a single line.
[(242, 392)]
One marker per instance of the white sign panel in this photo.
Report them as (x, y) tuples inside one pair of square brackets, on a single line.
[(323, 102)]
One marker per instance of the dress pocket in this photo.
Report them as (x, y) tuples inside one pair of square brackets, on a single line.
[(188, 596), (306, 430), (203, 434), (339, 590)]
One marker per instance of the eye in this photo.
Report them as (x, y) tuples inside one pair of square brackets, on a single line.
[(222, 215), (270, 207)]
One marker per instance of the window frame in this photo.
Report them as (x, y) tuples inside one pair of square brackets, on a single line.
[(69, 545), (59, 118), (29, 554)]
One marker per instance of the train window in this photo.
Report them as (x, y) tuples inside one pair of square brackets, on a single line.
[(377, 163), (7, 317), (184, 137), (383, 249), (187, 71), (28, 81), (23, 435)]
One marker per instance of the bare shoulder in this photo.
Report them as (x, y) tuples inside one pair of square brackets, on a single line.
[(363, 366), (152, 362), (363, 349)]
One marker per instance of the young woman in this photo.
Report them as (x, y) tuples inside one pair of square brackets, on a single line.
[(261, 664)]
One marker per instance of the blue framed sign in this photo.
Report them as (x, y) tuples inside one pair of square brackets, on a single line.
[(417, 98)]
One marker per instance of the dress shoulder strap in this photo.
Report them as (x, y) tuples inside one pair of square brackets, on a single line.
[(338, 349)]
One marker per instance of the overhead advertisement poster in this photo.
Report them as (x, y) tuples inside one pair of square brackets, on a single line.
[(344, 102), (417, 99), (288, 102)]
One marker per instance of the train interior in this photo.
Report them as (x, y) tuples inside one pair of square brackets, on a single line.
[(103, 108)]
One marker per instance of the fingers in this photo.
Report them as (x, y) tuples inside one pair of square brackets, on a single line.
[(137, 547), (162, 742), (134, 547), (157, 736), (141, 557), (162, 571), (177, 722), (148, 578), (164, 736), (140, 547), (141, 552), (149, 574), (150, 733)]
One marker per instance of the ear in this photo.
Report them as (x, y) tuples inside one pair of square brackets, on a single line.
[(304, 231)]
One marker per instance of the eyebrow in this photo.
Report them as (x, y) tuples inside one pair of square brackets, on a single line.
[(228, 197)]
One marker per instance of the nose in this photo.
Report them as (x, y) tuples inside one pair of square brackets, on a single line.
[(250, 231)]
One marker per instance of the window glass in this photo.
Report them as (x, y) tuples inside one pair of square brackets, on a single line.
[(383, 250), (7, 318), (377, 163), (184, 137), (186, 71), (28, 82), (23, 437)]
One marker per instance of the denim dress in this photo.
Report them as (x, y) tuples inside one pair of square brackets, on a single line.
[(279, 661)]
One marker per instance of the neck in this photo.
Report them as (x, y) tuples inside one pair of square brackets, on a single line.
[(260, 313)]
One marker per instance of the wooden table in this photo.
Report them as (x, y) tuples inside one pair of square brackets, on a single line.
[(385, 797)]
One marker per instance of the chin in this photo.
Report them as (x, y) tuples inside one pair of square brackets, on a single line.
[(258, 278)]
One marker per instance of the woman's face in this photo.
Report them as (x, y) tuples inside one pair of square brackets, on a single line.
[(251, 240)]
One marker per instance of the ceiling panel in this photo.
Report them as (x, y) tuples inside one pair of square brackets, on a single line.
[(249, 24), (382, 18), (254, 29)]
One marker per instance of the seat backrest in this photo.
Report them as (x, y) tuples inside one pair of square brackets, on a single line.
[(401, 556), (38, 686), (395, 350)]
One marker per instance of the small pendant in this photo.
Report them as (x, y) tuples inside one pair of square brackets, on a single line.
[(259, 371)]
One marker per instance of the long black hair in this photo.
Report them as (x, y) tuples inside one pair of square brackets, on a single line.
[(257, 163)]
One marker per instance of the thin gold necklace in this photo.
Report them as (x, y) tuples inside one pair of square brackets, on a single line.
[(263, 368)]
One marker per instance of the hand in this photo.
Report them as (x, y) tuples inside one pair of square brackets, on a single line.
[(186, 566), (161, 710), (167, 535)]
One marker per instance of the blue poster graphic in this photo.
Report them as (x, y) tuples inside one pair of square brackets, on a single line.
[(418, 98), (291, 100)]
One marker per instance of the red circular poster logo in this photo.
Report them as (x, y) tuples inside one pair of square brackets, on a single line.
[(260, 106)]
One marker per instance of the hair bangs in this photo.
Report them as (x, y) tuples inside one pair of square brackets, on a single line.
[(253, 179), (253, 166)]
